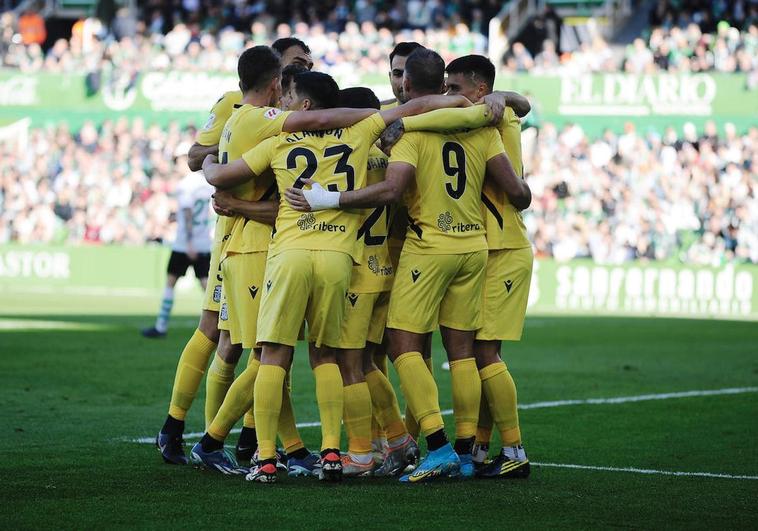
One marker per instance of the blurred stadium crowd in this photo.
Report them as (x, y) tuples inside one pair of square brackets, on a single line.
[(686, 35), (678, 195), (675, 195)]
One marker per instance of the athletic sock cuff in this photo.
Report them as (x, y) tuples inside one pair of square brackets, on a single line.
[(404, 358), (492, 370)]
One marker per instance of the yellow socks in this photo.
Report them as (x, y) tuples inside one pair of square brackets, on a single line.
[(467, 392), (484, 426), (357, 417), (189, 373), (267, 403), (498, 387), (220, 378), (238, 399), (249, 420), (420, 391), (287, 429), (329, 396), (384, 405), (411, 424)]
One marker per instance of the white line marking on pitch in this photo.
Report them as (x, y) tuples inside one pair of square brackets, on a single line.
[(645, 471), (540, 405)]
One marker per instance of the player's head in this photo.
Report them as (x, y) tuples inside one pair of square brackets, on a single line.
[(259, 70), (359, 98), (424, 74), (398, 56), (288, 74), (313, 91), (293, 52), (472, 76)]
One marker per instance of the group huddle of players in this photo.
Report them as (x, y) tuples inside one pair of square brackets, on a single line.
[(364, 252)]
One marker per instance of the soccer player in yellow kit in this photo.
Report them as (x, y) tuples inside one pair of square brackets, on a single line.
[(198, 350), (244, 255), (506, 286), (367, 390), (441, 272), (310, 258)]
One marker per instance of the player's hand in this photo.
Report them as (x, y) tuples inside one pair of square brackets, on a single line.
[(391, 135), (316, 198), (222, 203), (495, 102), (191, 252), (209, 159)]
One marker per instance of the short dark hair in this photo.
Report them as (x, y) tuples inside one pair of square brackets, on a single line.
[(289, 72), (257, 66), (318, 87), (359, 98), (403, 49), (476, 66), (282, 45), (425, 69)]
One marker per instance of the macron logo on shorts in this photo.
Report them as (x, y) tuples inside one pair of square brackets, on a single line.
[(415, 274), (508, 285), (353, 298), (253, 291)]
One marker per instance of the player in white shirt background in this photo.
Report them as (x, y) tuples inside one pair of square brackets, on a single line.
[(192, 245)]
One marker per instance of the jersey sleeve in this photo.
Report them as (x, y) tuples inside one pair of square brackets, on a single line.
[(510, 133), (369, 128), (494, 143), (259, 158), (210, 134), (406, 150), (444, 120)]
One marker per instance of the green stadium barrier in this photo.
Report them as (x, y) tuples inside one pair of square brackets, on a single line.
[(596, 101), (576, 287)]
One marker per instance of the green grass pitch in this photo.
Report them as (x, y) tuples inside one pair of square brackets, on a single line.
[(78, 384)]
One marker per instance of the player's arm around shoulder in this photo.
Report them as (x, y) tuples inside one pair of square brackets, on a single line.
[(501, 172), (206, 142)]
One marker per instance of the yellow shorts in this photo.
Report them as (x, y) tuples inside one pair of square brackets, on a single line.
[(212, 301), (365, 318), (433, 290), (304, 283), (506, 292), (241, 296)]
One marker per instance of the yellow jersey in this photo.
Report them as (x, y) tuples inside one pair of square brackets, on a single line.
[(375, 272), (444, 201), (390, 105), (505, 226), (337, 159), (210, 134), (247, 127)]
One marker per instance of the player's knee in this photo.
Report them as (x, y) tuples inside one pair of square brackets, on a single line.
[(275, 354), (486, 353), (320, 355), (350, 363), (227, 351), (209, 325)]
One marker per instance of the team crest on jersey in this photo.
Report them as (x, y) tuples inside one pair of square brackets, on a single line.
[(306, 221), (272, 113), (445, 221), (353, 298), (217, 293)]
